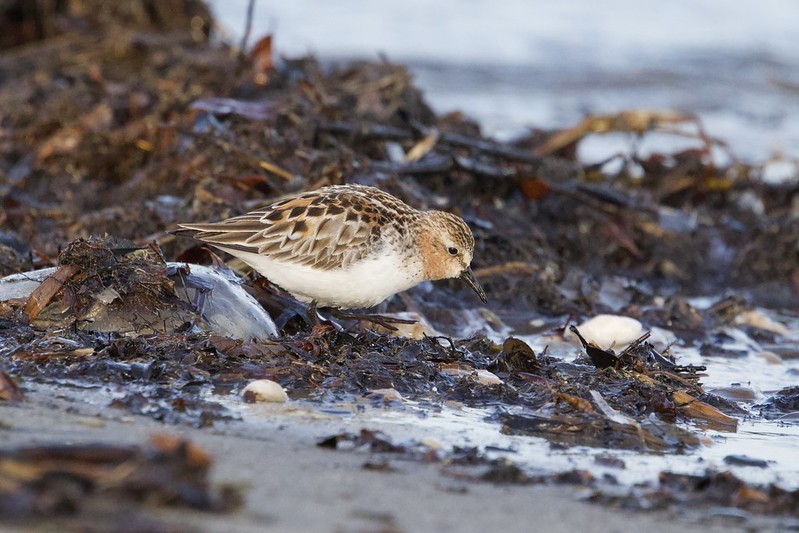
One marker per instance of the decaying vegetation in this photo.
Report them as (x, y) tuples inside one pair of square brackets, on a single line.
[(118, 125)]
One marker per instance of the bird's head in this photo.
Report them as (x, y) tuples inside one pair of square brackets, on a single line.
[(447, 246)]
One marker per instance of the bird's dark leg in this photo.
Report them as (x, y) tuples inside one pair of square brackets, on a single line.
[(313, 316), (382, 320)]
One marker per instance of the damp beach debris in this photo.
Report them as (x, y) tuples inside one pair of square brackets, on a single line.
[(64, 480), (117, 127)]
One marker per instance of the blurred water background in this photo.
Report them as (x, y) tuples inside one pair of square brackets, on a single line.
[(530, 63)]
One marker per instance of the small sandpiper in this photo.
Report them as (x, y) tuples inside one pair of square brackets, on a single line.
[(346, 246)]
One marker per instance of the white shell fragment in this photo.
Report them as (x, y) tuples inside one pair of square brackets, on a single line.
[(610, 330), (757, 319), (107, 296), (484, 377), (386, 394), (265, 390)]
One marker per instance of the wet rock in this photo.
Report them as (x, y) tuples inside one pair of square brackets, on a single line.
[(516, 356), (735, 394), (745, 460), (785, 402)]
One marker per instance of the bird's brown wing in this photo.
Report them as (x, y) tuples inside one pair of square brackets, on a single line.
[(326, 229)]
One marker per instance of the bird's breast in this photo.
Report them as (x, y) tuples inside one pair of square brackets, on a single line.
[(363, 283)]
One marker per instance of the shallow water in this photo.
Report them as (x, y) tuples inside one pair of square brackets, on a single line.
[(466, 427), (458, 425), (771, 440)]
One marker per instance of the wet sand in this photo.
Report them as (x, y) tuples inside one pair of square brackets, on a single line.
[(293, 485)]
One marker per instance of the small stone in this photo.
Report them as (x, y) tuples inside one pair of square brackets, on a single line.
[(610, 330), (264, 390), (431, 443), (662, 337), (745, 460), (606, 459)]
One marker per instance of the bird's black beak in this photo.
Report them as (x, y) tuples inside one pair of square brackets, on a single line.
[(468, 276)]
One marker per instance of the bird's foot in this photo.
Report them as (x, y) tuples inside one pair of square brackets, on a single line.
[(381, 320), (317, 321)]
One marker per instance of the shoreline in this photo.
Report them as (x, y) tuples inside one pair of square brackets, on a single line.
[(293, 485)]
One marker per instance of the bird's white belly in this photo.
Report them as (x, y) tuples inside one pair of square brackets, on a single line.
[(365, 283)]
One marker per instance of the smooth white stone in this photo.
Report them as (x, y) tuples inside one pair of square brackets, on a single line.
[(266, 390)]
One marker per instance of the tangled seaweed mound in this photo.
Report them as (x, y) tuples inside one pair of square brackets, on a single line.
[(127, 130)]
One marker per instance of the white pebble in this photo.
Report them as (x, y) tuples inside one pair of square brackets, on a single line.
[(610, 330), (265, 390)]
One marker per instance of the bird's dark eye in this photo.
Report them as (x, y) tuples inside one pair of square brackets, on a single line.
[(452, 250)]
